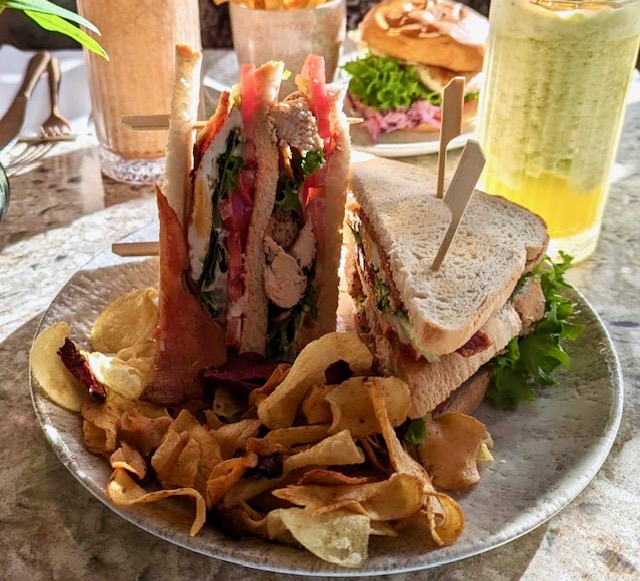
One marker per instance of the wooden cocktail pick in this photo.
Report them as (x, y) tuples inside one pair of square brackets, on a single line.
[(160, 122), (451, 127), (136, 248), (459, 193)]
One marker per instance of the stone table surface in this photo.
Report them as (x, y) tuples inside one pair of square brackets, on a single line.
[(63, 212)]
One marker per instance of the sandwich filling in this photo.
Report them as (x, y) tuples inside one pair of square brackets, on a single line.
[(392, 95), (223, 199), (302, 130)]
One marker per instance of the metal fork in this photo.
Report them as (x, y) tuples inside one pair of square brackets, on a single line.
[(56, 125), (31, 153)]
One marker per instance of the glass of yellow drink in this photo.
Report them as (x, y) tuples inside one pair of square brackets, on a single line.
[(139, 37), (557, 74)]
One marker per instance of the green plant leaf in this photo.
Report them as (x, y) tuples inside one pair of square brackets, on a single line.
[(56, 24), (416, 432), (46, 7)]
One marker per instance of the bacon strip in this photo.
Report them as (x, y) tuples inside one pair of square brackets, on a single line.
[(188, 339), (78, 366), (479, 342)]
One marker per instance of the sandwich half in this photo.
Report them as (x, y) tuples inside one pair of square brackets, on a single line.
[(436, 329), (255, 254)]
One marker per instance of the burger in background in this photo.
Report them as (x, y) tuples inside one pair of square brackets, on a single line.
[(410, 51)]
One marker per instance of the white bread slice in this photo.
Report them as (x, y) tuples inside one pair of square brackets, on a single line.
[(328, 257), (496, 242), (254, 326)]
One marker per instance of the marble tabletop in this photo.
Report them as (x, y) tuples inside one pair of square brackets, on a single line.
[(63, 212)]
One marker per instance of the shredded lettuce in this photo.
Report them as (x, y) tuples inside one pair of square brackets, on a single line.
[(532, 359), (416, 431), (288, 191), (385, 83), (211, 289)]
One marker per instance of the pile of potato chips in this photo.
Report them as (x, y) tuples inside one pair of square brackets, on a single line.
[(311, 457)]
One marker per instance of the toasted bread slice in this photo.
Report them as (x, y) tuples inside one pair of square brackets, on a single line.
[(254, 326), (495, 244)]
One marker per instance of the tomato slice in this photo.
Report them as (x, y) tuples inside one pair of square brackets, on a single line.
[(248, 107), (313, 71)]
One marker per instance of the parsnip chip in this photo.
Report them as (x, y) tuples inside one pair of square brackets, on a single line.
[(352, 408), (336, 450), (315, 407), (298, 435), (281, 407), (324, 476), (129, 459), (338, 537), (232, 437), (127, 321), (449, 452), (123, 491), (225, 476), (60, 386), (116, 375), (101, 426), (143, 432), (277, 377)]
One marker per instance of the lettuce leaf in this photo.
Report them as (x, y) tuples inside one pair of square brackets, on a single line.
[(385, 83), (211, 287), (532, 359)]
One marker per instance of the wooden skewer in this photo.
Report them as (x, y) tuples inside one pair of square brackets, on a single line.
[(128, 249), (160, 122), (459, 193), (452, 101)]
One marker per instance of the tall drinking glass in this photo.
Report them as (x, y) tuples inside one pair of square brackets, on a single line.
[(289, 35), (139, 37), (557, 74)]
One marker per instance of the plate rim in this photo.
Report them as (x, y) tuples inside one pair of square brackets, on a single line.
[(599, 451)]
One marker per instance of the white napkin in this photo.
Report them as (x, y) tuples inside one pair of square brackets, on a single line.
[(74, 101)]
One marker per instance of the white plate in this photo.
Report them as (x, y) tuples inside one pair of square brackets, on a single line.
[(404, 143), (546, 452)]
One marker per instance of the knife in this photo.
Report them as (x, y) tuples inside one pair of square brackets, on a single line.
[(12, 122)]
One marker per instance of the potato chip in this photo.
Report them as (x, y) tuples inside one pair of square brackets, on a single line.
[(382, 529), (116, 375), (352, 408), (123, 491), (165, 459), (315, 407), (129, 320), (60, 386), (398, 497), (448, 527), (129, 459), (336, 450), (449, 451), (338, 537), (280, 408)]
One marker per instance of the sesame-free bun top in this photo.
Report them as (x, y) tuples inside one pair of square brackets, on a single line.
[(431, 32)]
